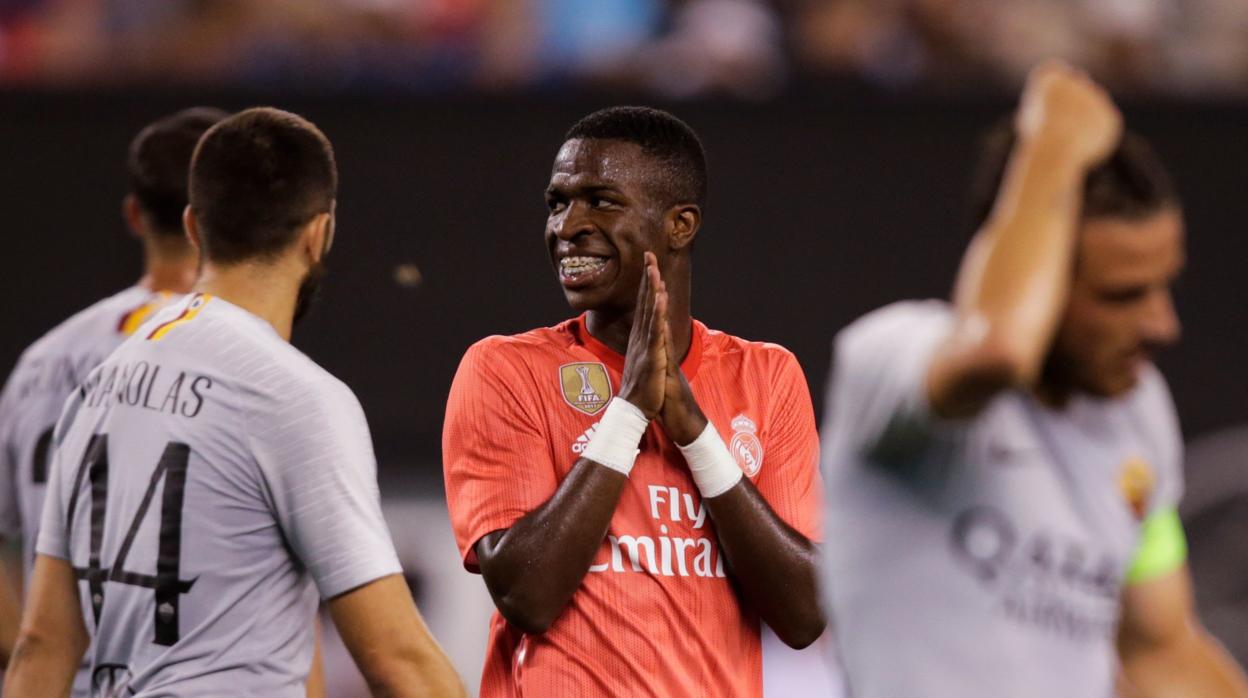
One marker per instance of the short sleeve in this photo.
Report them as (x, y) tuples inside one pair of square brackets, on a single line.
[(53, 534), (10, 453), (67, 456), (789, 476), (877, 403), (495, 452), (1162, 545), (315, 454), (1160, 422)]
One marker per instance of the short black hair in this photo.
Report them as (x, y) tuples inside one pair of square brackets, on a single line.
[(158, 163), (256, 178), (1132, 184), (661, 135)]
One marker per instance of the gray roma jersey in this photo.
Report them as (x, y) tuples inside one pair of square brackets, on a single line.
[(208, 480), (982, 558), (45, 375)]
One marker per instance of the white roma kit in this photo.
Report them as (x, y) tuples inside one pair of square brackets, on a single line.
[(208, 481), (47, 372)]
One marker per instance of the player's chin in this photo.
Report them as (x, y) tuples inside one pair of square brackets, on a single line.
[(597, 295), (583, 299), (1116, 382)]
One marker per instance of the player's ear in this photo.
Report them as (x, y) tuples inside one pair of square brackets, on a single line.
[(191, 227), (132, 212), (318, 235), (682, 225), (333, 227)]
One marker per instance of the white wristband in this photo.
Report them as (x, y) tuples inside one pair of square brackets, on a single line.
[(619, 432), (714, 469)]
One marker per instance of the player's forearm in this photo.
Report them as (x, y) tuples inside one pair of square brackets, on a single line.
[(774, 566), (414, 673), (315, 685), (1197, 665), (10, 617), (43, 666), (1014, 294), (533, 568)]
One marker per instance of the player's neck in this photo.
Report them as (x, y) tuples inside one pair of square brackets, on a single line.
[(268, 291), (171, 277), (169, 266), (613, 329), (1055, 387)]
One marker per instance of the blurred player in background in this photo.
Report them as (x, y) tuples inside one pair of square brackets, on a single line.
[(1003, 472), (632, 541), (158, 162), (209, 479)]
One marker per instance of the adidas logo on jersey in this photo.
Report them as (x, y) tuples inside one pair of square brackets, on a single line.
[(582, 441)]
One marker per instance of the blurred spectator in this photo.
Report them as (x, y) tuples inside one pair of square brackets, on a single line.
[(1177, 46), (677, 48)]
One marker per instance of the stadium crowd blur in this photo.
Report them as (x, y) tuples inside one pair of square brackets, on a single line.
[(673, 48)]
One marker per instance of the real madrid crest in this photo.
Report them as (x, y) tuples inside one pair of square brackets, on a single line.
[(1136, 480), (745, 446), (586, 386)]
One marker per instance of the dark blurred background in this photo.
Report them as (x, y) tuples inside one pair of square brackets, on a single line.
[(821, 208), (841, 136)]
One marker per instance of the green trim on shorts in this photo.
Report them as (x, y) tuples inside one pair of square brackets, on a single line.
[(1162, 547)]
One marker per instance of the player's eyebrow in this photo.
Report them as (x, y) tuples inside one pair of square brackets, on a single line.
[(571, 189)]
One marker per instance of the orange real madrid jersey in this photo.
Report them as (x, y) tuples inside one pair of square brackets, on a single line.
[(656, 614)]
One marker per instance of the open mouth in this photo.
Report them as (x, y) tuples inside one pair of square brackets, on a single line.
[(582, 270)]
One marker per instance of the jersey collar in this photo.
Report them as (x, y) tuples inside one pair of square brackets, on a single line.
[(608, 356)]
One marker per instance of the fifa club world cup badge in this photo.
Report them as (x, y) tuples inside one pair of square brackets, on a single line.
[(586, 386), (1136, 480), (745, 446)]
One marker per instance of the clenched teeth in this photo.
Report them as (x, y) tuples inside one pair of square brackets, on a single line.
[(575, 266)]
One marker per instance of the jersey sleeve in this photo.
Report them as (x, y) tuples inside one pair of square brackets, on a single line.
[(67, 456), (10, 511), (789, 478), (1162, 546), (315, 454), (1161, 421), (496, 453), (877, 403)]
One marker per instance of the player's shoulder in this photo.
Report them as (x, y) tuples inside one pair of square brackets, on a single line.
[(1150, 399), (228, 341), (898, 319), (532, 346), (718, 342), (82, 331), (893, 333)]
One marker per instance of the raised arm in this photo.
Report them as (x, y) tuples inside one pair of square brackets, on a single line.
[(1165, 652), (52, 639), (390, 643), (1015, 277), (533, 567)]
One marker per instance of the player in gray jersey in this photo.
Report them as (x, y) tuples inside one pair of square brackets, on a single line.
[(50, 369), (210, 482), (1002, 472)]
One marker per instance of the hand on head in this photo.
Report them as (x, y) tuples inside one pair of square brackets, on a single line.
[(1064, 109)]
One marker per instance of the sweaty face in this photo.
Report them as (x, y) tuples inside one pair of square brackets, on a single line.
[(602, 219), (1121, 310)]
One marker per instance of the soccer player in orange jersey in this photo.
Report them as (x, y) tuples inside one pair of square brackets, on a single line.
[(637, 490)]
